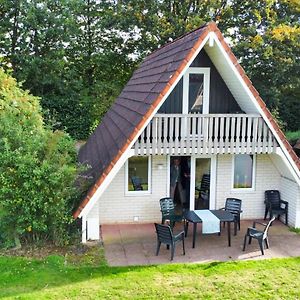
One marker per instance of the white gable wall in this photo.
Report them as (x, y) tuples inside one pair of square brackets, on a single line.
[(290, 192), (115, 207), (266, 178)]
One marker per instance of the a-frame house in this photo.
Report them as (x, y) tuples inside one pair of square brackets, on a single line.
[(189, 107)]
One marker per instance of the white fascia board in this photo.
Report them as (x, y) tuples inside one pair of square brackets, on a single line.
[(284, 158), (288, 159), (129, 152)]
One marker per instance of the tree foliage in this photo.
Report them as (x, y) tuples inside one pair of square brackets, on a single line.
[(78, 54), (37, 170)]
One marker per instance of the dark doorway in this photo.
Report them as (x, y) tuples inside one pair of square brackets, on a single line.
[(180, 181)]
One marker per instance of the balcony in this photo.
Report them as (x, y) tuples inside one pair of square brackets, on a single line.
[(187, 134)]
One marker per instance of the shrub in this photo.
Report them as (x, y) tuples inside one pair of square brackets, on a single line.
[(37, 171)]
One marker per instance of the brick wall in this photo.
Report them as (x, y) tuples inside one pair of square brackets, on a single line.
[(114, 206), (290, 192), (266, 178)]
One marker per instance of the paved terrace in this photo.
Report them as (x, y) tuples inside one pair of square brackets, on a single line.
[(135, 244)]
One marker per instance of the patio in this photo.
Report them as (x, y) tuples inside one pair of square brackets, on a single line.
[(135, 244)]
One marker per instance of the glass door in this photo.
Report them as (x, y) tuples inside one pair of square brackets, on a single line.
[(202, 183)]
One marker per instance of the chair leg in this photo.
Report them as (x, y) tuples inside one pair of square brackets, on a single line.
[(266, 213), (172, 224), (172, 250), (286, 218), (245, 241), (239, 222), (267, 242), (183, 247), (261, 246), (158, 247), (186, 228), (235, 227), (271, 216), (250, 240), (224, 224)]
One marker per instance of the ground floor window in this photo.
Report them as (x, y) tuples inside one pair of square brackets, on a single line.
[(138, 174), (243, 171)]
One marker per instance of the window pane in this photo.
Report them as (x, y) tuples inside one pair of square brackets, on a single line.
[(196, 93), (243, 171), (138, 173)]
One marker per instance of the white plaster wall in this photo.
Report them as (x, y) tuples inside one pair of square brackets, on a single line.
[(290, 192), (116, 207), (266, 178)]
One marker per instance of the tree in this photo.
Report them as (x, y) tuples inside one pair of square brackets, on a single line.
[(37, 171)]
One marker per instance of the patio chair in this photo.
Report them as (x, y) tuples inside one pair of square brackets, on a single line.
[(260, 235), (137, 183), (167, 209), (234, 206), (275, 206), (203, 199), (165, 235)]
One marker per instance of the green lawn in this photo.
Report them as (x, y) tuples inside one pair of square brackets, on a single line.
[(57, 277)]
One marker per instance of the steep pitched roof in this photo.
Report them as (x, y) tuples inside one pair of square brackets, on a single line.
[(142, 94)]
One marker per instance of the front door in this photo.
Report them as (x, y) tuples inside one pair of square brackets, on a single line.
[(180, 177)]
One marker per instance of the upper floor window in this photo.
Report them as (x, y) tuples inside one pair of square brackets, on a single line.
[(191, 94), (138, 174), (196, 90), (243, 171)]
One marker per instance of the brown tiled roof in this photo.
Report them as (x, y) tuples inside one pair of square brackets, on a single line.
[(144, 91)]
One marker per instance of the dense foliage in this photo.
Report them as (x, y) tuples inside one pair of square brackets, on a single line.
[(78, 54), (37, 171)]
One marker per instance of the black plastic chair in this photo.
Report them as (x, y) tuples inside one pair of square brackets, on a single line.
[(275, 206), (234, 206), (260, 235), (204, 189), (137, 183), (167, 209), (165, 235)]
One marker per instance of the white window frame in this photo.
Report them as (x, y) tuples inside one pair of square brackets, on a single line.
[(206, 84), (213, 178), (253, 175), (138, 193)]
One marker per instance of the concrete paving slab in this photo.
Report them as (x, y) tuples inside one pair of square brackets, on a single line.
[(135, 244)]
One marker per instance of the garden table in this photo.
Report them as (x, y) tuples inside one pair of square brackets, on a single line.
[(222, 215)]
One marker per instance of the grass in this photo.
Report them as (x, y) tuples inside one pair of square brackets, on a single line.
[(59, 277), (293, 135), (296, 230)]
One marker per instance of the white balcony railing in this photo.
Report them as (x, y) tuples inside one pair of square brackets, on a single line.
[(179, 134)]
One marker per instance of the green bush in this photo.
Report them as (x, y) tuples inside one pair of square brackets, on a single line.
[(37, 171)]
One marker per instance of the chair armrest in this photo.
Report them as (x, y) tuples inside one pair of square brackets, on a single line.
[(252, 230), (256, 222), (181, 233), (285, 203)]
